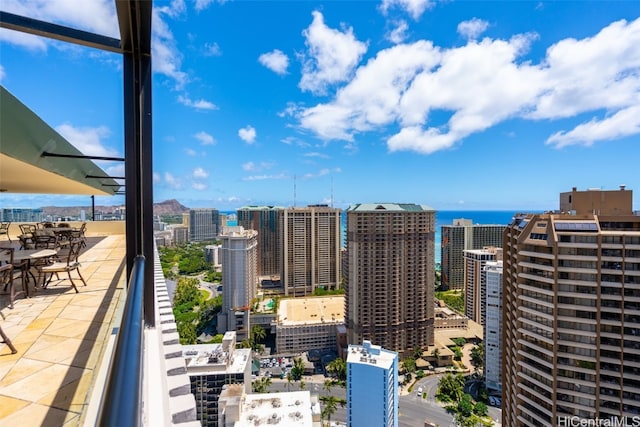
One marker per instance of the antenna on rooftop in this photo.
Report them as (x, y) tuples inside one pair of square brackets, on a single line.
[(332, 192)]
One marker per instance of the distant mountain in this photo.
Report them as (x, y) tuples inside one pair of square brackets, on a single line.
[(168, 207)]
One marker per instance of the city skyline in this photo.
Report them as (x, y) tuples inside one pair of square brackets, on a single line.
[(255, 105)]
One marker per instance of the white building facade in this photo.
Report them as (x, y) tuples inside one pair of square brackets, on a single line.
[(372, 386), (238, 256), (493, 326)]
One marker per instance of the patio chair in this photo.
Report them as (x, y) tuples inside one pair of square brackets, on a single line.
[(44, 240), (7, 341), (83, 228), (9, 273), (26, 238), (66, 265), (4, 229)]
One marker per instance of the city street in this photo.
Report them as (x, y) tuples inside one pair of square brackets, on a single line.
[(413, 410)]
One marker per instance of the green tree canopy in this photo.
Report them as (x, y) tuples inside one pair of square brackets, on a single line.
[(450, 388), (338, 367)]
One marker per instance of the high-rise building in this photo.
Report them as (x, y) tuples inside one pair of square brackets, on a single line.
[(238, 256), (180, 234), (493, 327), (571, 312), (21, 215), (372, 386), (389, 286), (460, 236), (210, 367), (204, 224), (266, 220), (311, 251), (475, 288)]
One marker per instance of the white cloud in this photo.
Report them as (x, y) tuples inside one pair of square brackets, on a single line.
[(97, 16), (167, 59), (88, 140), (200, 173), (247, 134), (190, 152), (415, 8), (472, 28), (373, 97), (399, 33), (212, 49), (265, 177), (3, 74), (483, 83), (256, 167), (316, 154), (202, 4), (292, 140), (320, 173), (200, 104), (275, 60), (331, 55), (172, 182), (25, 40), (625, 122), (205, 138), (199, 186)]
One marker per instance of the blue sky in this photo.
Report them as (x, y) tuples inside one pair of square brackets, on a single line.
[(460, 105)]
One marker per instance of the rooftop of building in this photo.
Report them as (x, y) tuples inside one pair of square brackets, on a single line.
[(259, 208), (473, 331), (369, 354), (215, 358), (236, 232), (389, 207), (311, 310), (293, 408), (487, 250)]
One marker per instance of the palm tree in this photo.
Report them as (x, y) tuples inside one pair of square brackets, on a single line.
[(330, 404), (289, 381), (338, 367), (436, 354), (261, 385), (257, 334), (327, 385)]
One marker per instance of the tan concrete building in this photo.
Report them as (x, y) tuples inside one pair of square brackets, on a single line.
[(267, 221), (475, 287), (308, 323), (389, 286), (571, 312), (463, 235), (311, 249)]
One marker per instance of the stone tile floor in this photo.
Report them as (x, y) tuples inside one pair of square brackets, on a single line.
[(60, 336)]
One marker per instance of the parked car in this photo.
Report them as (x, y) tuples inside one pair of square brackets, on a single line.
[(495, 401)]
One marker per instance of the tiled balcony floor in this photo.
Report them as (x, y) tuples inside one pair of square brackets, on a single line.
[(60, 337)]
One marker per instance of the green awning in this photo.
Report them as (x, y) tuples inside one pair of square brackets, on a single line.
[(23, 138)]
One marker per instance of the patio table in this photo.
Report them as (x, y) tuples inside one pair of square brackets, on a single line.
[(28, 256)]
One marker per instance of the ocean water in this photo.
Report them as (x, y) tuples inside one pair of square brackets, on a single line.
[(446, 218)]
